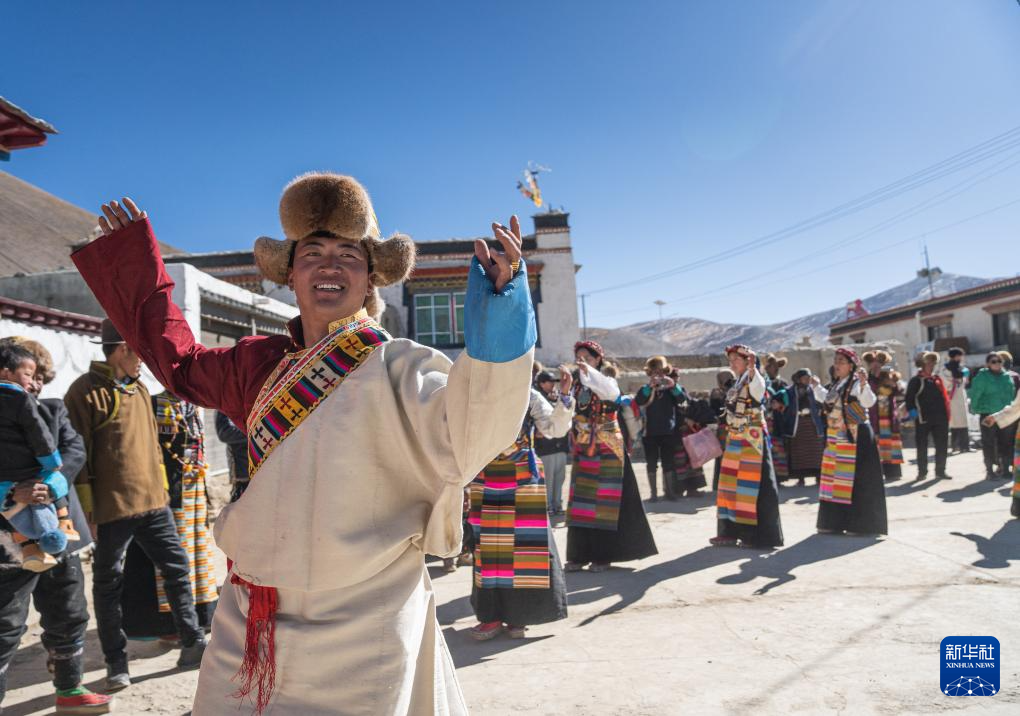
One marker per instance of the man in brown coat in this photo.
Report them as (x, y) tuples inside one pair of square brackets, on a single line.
[(123, 488)]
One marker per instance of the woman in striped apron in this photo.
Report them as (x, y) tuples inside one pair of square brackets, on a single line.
[(518, 580), (851, 489), (889, 389), (748, 496), (606, 521), (1004, 418)]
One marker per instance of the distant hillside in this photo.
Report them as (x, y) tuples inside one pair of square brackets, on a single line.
[(694, 336)]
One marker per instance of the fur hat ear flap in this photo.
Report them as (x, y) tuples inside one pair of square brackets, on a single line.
[(375, 305), (392, 259)]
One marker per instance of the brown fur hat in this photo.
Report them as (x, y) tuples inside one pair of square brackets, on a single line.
[(771, 360), (335, 205), (43, 358), (929, 357), (881, 357), (657, 363)]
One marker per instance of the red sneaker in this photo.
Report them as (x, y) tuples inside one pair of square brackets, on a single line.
[(489, 630), (87, 703)]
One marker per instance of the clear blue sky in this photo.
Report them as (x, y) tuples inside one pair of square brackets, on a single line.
[(674, 129)]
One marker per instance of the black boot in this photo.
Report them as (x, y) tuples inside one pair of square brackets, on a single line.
[(652, 485), (668, 478)]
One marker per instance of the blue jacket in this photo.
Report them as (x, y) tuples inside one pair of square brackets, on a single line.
[(788, 422)]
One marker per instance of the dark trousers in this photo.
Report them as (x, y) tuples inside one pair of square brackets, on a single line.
[(997, 446), (959, 439), (156, 533), (940, 434), (660, 448), (59, 595)]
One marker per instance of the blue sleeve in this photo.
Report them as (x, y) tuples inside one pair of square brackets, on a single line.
[(6, 502), (498, 327), (51, 462), (57, 484)]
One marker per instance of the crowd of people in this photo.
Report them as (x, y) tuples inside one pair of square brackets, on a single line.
[(123, 473), (336, 501), (846, 432)]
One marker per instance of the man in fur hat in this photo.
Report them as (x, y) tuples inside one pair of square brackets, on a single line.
[(359, 447)]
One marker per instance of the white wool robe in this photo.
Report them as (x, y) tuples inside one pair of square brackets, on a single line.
[(339, 519)]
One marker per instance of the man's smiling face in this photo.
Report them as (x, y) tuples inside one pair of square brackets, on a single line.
[(329, 276)]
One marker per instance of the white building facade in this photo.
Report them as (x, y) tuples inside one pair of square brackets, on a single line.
[(979, 320)]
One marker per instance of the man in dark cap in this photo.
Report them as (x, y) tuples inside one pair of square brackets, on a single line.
[(554, 451), (124, 491)]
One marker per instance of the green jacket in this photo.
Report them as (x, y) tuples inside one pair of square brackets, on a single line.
[(990, 392)]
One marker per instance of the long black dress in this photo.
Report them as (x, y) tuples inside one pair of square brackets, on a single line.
[(516, 600), (746, 461), (866, 511), (600, 460)]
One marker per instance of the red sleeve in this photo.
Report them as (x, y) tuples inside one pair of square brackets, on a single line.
[(126, 273)]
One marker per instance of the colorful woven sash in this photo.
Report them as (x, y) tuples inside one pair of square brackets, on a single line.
[(1016, 466), (596, 488), (740, 476), (839, 464), (511, 524), (780, 461), (300, 384), (890, 444)]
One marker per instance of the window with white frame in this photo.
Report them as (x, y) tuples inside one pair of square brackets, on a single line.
[(439, 319)]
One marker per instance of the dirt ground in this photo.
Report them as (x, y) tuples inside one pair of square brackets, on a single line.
[(826, 625)]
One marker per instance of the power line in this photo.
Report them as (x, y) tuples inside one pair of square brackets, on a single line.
[(942, 197), (958, 162), (857, 257)]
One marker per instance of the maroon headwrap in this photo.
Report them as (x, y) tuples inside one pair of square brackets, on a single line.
[(740, 349), (850, 355), (590, 346)]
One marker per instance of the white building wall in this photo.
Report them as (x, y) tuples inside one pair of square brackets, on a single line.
[(72, 352), (557, 314)]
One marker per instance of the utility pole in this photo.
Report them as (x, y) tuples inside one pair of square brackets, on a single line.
[(662, 329), (584, 317), (927, 271)]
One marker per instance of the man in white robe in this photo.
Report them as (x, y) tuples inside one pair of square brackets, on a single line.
[(360, 445)]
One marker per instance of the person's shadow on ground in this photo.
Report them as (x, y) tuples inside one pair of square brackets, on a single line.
[(779, 565), (630, 585), (907, 487), (466, 651), (799, 494), (681, 505), (974, 489), (999, 549)]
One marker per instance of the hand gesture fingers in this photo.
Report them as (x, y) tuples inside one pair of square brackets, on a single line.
[(116, 216), (498, 265)]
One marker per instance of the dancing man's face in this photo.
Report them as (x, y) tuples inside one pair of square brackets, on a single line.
[(329, 277)]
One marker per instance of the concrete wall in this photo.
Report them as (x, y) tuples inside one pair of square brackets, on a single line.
[(65, 290), (817, 360), (72, 352)]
